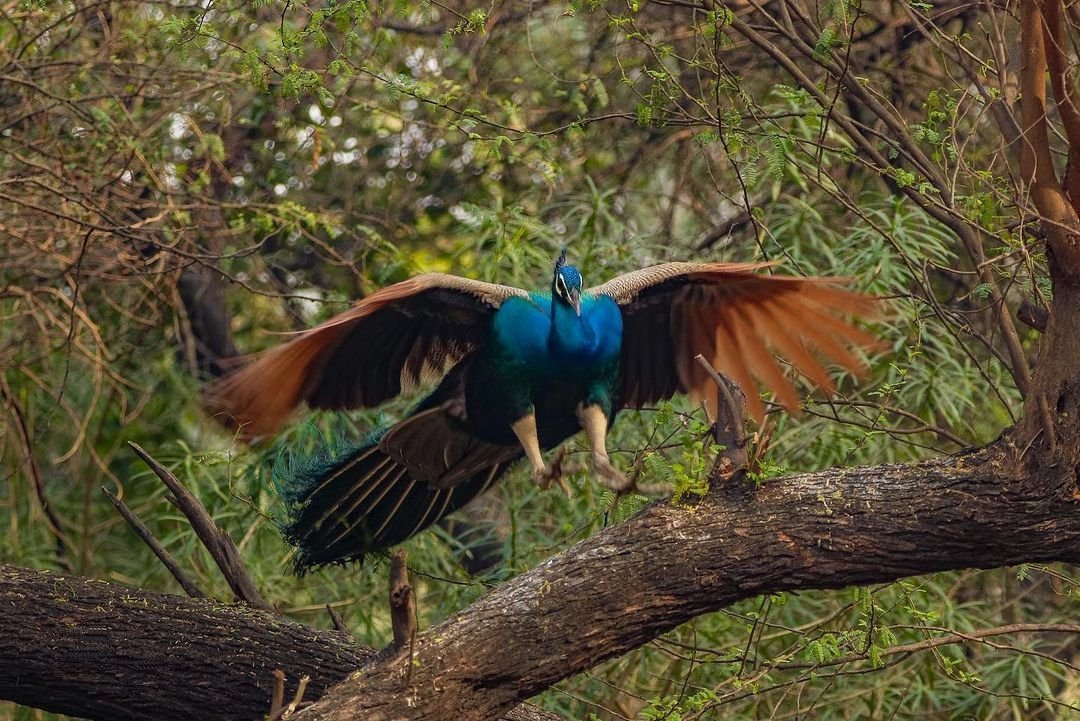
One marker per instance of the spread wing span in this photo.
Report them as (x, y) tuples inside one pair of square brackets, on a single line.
[(403, 335), (736, 318)]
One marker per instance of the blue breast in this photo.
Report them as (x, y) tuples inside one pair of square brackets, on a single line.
[(523, 332)]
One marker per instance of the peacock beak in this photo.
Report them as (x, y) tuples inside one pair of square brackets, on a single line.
[(575, 300)]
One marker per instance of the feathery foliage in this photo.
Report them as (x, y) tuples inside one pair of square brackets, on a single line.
[(283, 158)]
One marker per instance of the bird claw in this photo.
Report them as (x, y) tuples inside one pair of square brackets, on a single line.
[(557, 472), (611, 476), (543, 477), (618, 481)]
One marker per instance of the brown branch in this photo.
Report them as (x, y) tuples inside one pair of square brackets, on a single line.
[(605, 597), (731, 417), (1050, 410), (33, 470), (94, 649), (1036, 164), (402, 603), (725, 227), (1064, 92), (278, 710), (148, 538), (217, 542), (1058, 216), (337, 620), (99, 650), (277, 701)]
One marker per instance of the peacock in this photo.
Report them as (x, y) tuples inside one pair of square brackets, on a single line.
[(519, 372)]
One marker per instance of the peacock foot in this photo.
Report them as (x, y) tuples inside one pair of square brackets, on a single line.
[(557, 472), (611, 476), (618, 481)]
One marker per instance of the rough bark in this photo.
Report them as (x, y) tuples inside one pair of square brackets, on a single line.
[(98, 650), (667, 565)]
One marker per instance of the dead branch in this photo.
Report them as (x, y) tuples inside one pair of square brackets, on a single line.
[(221, 547), (148, 538), (402, 603)]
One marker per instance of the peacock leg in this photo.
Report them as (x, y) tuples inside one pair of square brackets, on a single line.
[(594, 421), (525, 430)]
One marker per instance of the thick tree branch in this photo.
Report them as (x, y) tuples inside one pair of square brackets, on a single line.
[(98, 650), (601, 598), (632, 582), (94, 649), (402, 603), (1051, 410), (1064, 90)]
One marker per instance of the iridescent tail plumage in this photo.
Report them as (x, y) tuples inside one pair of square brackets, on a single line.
[(379, 493)]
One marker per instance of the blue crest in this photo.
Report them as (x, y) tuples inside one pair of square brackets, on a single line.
[(569, 273)]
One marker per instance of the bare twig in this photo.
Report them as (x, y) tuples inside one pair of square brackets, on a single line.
[(402, 602), (725, 227), (336, 619), (278, 710), (298, 697), (951, 637), (63, 543), (277, 702), (217, 542), (147, 537)]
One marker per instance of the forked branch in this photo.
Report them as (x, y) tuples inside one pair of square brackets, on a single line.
[(217, 542), (1041, 38)]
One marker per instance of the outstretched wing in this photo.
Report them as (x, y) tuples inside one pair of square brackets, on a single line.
[(391, 341), (732, 316)]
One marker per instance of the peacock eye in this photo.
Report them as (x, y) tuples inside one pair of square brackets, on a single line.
[(560, 286)]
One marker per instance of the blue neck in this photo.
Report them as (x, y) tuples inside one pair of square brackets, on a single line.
[(570, 336)]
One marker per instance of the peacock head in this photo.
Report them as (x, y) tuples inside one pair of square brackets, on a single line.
[(566, 284)]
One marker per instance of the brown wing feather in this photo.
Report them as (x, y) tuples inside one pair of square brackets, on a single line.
[(772, 376), (727, 358), (403, 335), (786, 330), (753, 347), (823, 331), (732, 315)]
